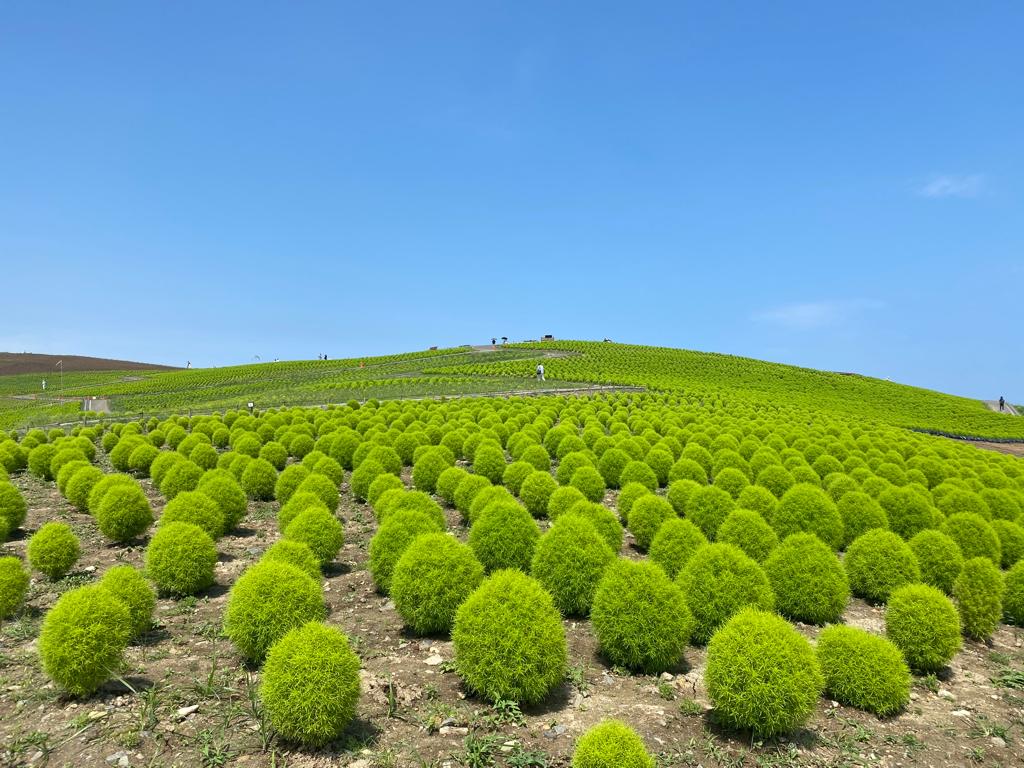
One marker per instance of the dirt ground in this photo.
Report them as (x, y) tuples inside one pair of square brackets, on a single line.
[(1014, 449), (186, 699)]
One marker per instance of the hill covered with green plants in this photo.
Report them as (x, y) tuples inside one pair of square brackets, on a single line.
[(722, 381)]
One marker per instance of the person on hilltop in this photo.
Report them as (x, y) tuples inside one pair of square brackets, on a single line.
[(1002, 403), (540, 371)]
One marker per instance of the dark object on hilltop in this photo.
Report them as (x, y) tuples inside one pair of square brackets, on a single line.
[(12, 363)]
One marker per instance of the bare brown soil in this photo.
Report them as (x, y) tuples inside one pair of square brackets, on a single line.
[(1014, 449), (187, 699), (27, 362)]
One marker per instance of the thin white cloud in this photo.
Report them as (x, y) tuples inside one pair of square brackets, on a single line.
[(816, 314), (953, 185)]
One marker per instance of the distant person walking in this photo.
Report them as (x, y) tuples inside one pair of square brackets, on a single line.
[(1002, 403), (188, 364), (44, 385), (540, 372)]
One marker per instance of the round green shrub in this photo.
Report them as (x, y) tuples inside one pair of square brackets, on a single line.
[(974, 535), (908, 512), (449, 481), (363, 476), (197, 508), (809, 582), (1013, 597), (688, 469), (162, 464), (100, 489), (183, 476), (323, 487), (1011, 541), (718, 580), (310, 684), (83, 639), (389, 543), (53, 549), (485, 497), (627, 498), (878, 562), (14, 580), (258, 480), (536, 491), (515, 474), (978, 592), (674, 544), (562, 499), (860, 513), (961, 501), (640, 617), (863, 670), (938, 558), (65, 474), (39, 459), (611, 464), (924, 625), (489, 462), (203, 455), (469, 487), (776, 478), (762, 675), (747, 530), (275, 453), (130, 587), (758, 499), (611, 744), (504, 536), (80, 485), (288, 480), (589, 482), (569, 560), (227, 495), (639, 472), (647, 515), (297, 504), (419, 502), (427, 470), (432, 578), (708, 507), (269, 599), (806, 508), (382, 484), (141, 459), (732, 481), (12, 505), (295, 553), (603, 520), (124, 513), (180, 559), (509, 641), (321, 531)]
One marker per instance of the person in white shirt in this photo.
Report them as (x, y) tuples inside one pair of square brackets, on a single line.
[(540, 371)]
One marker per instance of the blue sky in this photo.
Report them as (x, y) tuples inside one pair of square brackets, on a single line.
[(831, 185)]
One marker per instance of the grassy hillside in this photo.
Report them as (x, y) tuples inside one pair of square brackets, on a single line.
[(721, 380)]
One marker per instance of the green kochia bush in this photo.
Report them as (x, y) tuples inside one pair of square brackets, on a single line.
[(267, 601), (603, 520), (258, 480), (381, 484), (674, 544), (323, 487), (12, 505), (809, 581), (509, 641), (640, 617), (762, 674), (321, 531), (80, 485), (1013, 597), (747, 530), (310, 684), (182, 476), (448, 483), (611, 744), (878, 562), (130, 587), (389, 543), (589, 482), (504, 536), (569, 560), (297, 504), (53, 549), (14, 581), (197, 508), (180, 559), (295, 553), (432, 578), (708, 507), (228, 495), (628, 496), (938, 557), (974, 535), (978, 591), (83, 638), (648, 514), (469, 487), (924, 624), (860, 513), (124, 512), (863, 670), (808, 509), (536, 491), (718, 581), (1011, 541)]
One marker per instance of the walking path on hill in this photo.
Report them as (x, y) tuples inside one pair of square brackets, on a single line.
[(993, 405)]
